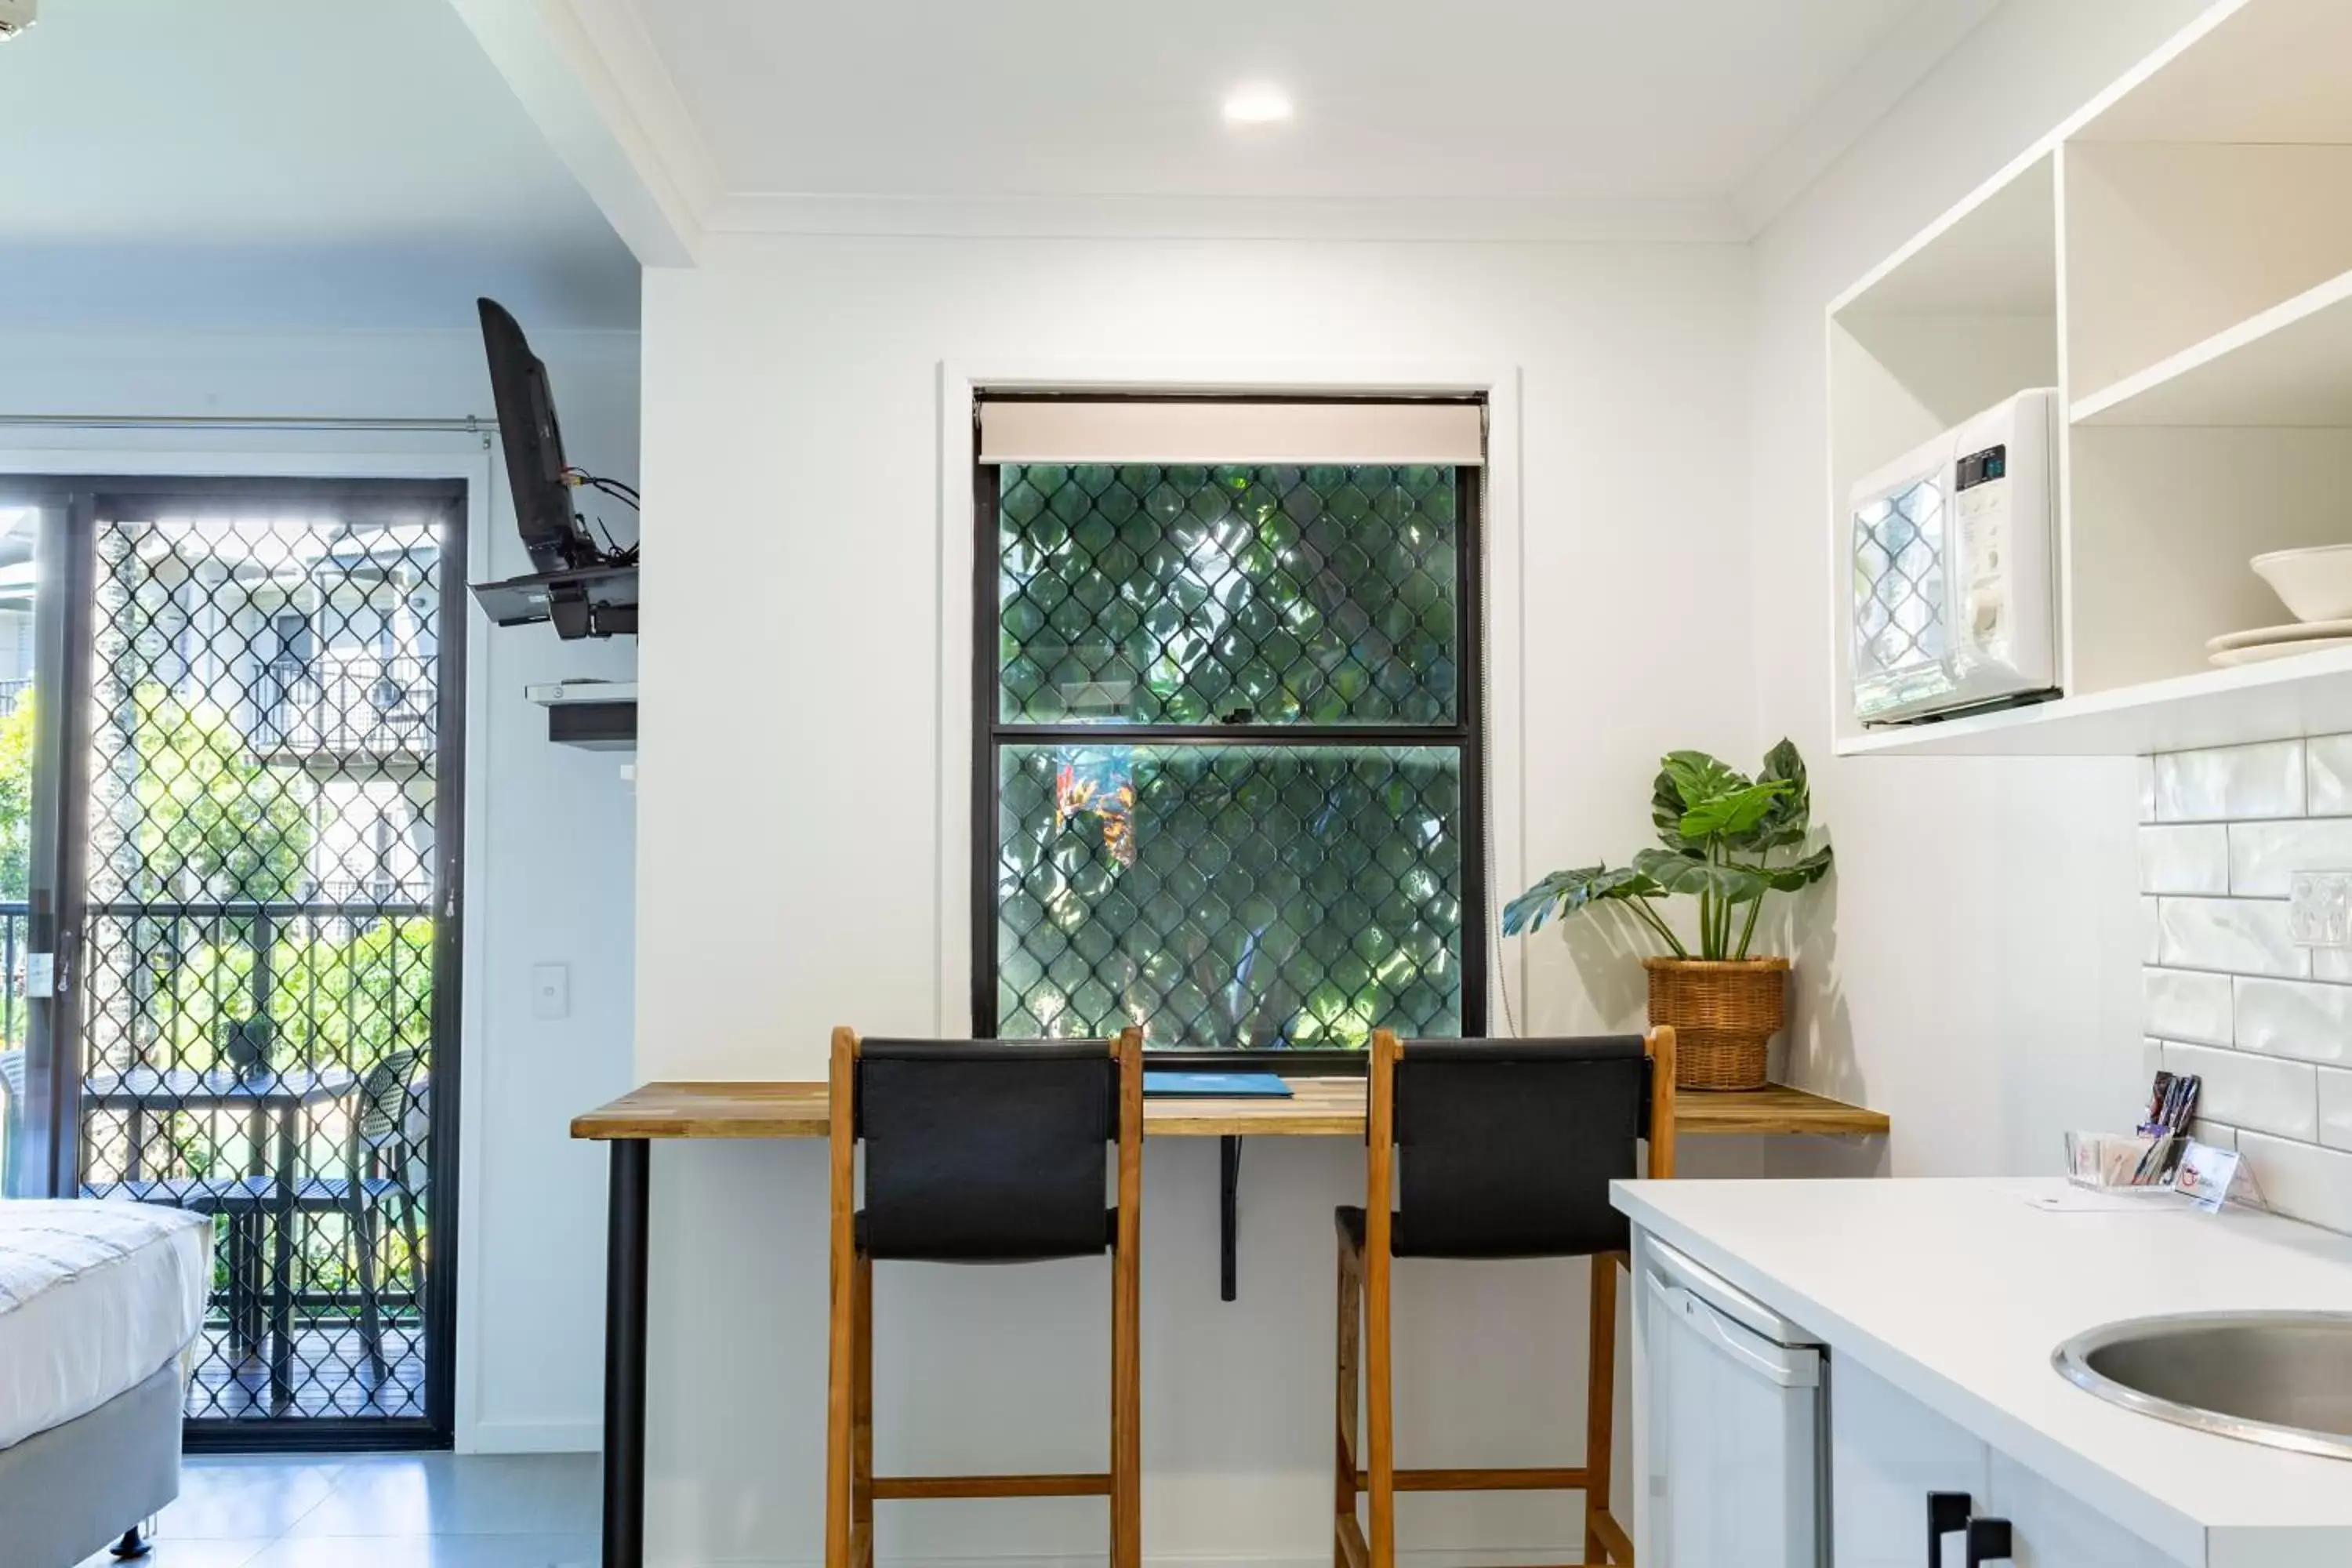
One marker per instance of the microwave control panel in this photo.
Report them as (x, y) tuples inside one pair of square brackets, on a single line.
[(1982, 502)]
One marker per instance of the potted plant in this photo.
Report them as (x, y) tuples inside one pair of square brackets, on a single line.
[(1719, 833)]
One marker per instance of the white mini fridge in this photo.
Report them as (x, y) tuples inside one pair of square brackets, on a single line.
[(1733, 1425)]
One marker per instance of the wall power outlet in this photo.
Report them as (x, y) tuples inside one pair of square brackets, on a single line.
[(2319, 908)]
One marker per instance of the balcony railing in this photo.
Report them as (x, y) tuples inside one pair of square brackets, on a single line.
[(345, 704), (11, 693), (12, 1038)]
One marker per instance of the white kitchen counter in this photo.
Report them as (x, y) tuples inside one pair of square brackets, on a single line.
[(1957, 1292)]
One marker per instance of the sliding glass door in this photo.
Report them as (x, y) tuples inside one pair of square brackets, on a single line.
[(257, 778)]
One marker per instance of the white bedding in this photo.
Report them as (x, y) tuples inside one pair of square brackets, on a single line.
[(94, 1298)]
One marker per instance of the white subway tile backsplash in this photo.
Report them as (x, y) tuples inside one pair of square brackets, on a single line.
[(2185, 859), (2328, 775), (2227, 992), (2300, 1180), (2214, 1132), (2264, 854), (2263, 1094), (2181, 1006), (2241, 936), (2231, 782), (2334, 1106), (2292, 1018)]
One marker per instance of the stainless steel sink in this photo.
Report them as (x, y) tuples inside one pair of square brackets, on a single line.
[(2280, 1378)]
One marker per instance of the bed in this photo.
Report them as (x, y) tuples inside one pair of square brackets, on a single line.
[(100, 1305)]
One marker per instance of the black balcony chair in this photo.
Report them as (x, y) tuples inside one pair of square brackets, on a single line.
[(380, 1172), (980, 1152), (10, 1117), (1507, 1148)]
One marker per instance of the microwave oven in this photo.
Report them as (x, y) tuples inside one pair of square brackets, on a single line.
[(1954, 551)]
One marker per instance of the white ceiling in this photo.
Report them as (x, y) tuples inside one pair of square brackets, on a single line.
[(1398, 100), (352, 157)]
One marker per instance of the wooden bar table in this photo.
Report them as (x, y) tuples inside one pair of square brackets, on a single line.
[(1317, 1107)]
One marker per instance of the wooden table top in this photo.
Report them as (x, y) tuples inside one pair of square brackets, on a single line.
[(1318, 1107)]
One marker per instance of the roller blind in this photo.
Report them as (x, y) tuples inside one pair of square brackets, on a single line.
[(1128, 430)]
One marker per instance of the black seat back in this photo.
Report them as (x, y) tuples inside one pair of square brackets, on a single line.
[(1507, 1148), (986, 1151)]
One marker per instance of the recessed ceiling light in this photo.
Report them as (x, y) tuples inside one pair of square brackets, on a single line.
[(1259, 103)]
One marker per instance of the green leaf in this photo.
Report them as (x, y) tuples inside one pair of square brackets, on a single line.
[(1799, 874), (1729, 816), (1691, 876), (1792, 816), (1568, 891), (1687, 779)]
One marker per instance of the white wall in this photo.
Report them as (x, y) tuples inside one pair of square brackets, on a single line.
[(791, 877), (1974, 970), (551, 856)]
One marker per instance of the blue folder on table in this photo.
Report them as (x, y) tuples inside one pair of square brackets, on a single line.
[(1215, 1085)]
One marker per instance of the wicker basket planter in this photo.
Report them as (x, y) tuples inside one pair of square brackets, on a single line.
[(1724, 1013)]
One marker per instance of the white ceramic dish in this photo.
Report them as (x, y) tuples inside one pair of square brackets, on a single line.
[(2315, 584), (2230, 658), (2293, 631)]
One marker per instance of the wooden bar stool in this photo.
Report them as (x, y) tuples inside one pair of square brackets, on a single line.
[(980, 1152), (1507, 1148)]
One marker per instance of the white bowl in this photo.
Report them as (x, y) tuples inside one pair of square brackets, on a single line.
[(2316, 584)]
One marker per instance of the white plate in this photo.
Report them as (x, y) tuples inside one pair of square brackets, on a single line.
[(2296, 631), (2229, 658)]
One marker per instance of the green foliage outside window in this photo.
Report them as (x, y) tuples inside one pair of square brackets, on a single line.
[(210, 812), (1225, 890), (16, 798)]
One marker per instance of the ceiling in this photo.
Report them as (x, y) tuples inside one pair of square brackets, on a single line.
[(354, 160), (1398, 100)]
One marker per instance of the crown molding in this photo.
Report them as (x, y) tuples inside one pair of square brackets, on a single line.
[(1458, 220), (618, 119), (1861, 98), (585, 75)]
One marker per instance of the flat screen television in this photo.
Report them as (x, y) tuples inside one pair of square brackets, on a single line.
[(551, 531)]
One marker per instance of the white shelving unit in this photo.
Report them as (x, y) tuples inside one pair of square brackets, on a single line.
[(2177, 260)]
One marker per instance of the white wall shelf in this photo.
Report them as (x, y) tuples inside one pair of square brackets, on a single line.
[(2290, 367), (2177, 260), (2282, 699)]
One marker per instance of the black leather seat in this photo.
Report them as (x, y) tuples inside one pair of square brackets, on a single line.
[(985, 1152), (1507, 1148), (981, 1151)]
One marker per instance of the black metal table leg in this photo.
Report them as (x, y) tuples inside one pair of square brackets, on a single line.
[(281, 1287), (1229, 1188), (626, 1253)]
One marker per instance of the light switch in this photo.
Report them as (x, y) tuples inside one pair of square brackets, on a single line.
[(2319, 908), (550, 990)]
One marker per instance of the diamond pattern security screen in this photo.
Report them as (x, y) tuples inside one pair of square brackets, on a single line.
[(266, 928), (1227, 727)]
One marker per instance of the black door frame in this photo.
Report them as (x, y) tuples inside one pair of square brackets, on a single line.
[(64, 621)]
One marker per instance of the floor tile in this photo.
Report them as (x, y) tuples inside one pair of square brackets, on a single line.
[(190, 1552), (444, 1494), (537, 1551), (246, 1498)]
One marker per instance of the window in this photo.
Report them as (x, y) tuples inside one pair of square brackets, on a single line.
[(1227, 741)]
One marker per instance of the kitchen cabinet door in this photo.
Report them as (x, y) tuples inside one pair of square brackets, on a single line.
[(1887, 1452), (2052, 1529)]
